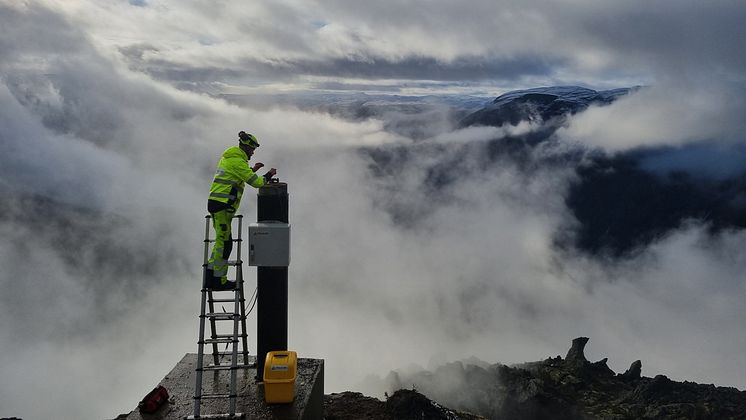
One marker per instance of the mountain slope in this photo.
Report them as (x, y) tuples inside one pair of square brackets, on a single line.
[(543, 104)]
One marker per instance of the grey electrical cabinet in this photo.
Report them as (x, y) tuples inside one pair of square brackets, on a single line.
[(269, 244)]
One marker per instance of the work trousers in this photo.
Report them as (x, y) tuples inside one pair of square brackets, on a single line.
[(221, 249)]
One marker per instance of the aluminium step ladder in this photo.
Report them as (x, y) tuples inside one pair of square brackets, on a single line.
[(237, 317)]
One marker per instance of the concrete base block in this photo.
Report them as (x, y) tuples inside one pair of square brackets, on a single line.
[(308, 403)]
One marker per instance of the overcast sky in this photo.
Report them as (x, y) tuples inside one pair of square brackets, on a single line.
[(487, 43), (94, 114)]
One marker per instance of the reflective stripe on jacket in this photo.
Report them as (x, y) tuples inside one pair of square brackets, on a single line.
[(232, 173)]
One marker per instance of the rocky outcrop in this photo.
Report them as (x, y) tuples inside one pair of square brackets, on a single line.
[(634, 371), (402, 405), (573, 388), (576, 353)]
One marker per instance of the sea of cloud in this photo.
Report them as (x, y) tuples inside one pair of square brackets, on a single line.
[(93, 325)]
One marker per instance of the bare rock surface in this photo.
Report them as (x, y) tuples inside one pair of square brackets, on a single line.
[(577, 351), (634, 371), (402, 405), (572, 388)]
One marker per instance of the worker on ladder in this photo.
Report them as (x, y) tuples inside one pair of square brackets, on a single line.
[(225, 197)]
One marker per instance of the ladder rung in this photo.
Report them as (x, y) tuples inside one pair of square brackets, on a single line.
[(214, 396), (229, 353), (238, 367), (233, 289), (217, 416), (221, 316), (219, 367), (231, 300), (227, 290), (243, 365), (228, 367), (229, 262), (226, 340)]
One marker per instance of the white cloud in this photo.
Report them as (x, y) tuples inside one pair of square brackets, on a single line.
[(661, 116), (476, 275)]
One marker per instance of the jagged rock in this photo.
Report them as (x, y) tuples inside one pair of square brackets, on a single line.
[(601, 368), (601, 364), (575, 354), (634, 371), (575, 389)]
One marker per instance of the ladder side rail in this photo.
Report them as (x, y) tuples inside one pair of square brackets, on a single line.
[(213, 328), (200, 342), (236, 320), (207, 241), (200, 356), (242, 309), (240, 238), (234, 357), (242, 298)]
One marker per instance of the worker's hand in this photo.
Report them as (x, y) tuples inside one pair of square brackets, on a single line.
[(257, 166), (272, 172)]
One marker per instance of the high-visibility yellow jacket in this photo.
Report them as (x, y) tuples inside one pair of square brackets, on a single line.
[(232, 173)]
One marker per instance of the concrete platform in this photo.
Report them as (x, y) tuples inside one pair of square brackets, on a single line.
[(308, 404)]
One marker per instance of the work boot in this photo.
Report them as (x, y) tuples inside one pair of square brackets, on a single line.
[(218, 283), (209, 281)]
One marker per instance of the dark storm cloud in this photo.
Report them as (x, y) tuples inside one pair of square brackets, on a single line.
[(332, 85), (462, 70), (429, 68)]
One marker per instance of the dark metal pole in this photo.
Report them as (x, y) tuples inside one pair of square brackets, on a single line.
[(272, 282)]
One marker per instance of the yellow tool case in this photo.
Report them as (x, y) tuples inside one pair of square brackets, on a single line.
[(280, 371)]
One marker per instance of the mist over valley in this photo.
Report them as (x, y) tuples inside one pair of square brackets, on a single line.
[(454, 195)]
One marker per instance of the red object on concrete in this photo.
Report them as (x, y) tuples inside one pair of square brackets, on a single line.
[(154, 400)]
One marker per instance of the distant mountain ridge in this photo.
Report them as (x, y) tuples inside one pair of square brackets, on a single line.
[(542, 103)]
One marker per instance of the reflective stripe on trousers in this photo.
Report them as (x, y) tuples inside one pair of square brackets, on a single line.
[(221, 249)]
